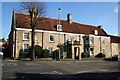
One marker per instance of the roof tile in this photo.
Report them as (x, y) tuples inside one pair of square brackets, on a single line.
[(23, 21)]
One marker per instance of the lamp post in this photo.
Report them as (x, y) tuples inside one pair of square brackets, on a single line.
[(59, 30), (33, 16)]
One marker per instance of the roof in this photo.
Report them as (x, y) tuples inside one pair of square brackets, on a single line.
[(22, 21), (115, 39)]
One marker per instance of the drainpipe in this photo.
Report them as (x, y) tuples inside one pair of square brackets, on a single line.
[(15, 45), (100, 46)]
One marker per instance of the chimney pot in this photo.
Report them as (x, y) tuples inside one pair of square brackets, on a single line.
[(69, 18)]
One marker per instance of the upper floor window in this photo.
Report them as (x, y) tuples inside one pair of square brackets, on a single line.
[(25, 36), (96, 32), (91, 40), (72, 38), (79, 38), (51, 39), (86, 39)]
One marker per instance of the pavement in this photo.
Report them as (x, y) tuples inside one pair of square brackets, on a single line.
[(42, 69)]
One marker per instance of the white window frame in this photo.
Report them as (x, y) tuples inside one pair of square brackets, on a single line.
[(24, 47), (24, 36), (59, 27), (95, 32), (91, 40), (72, 39), (50, 38), (50, 50)]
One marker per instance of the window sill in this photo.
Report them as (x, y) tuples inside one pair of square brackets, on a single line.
[(25, 39), (51, 41)]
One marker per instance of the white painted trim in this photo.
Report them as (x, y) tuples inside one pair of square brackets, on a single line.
[(24, 47), (54, 32), (53, 39), (24, 38), (23, 29)]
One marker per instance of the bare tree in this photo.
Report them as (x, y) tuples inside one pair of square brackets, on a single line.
[(28, 6), (35, 9)]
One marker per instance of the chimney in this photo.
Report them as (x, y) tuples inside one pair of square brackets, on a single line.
[(69, 18), (100, 26)]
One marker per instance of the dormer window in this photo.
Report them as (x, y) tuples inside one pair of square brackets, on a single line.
[(59, 27), (95, 32)]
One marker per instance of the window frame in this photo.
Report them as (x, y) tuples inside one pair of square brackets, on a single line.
[(50, 50), (28, 37), (92, 40), (59, 27), (50, 38), (25, 48)]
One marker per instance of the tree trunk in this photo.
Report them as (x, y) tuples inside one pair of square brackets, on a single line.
[(33, 41)]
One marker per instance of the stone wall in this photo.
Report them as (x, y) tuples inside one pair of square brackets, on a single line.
[(115, 48), (101, 43)]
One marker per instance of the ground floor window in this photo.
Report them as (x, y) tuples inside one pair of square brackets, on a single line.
[(25, 48), (86, 49), (50, 51), (91, 51)]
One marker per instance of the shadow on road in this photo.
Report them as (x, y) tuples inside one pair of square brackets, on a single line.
[(81, 76)]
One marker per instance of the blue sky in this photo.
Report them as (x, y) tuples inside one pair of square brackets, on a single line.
[(92, 13)]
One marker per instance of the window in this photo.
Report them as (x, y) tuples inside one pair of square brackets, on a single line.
[(86, 39), (72, 39), (79, 38), (103, 50), (51, 38), (59, 27), (96, 32), (50, 50), (26, 48), (25, 36), (91, 40), (86, 49)]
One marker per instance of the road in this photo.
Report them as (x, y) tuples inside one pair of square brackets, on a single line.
[(60, 70)]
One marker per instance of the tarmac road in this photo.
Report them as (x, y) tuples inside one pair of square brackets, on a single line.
[(60, 70)]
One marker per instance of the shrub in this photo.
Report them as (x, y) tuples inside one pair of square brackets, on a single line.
[(24, 53), (85, 55), (100, 55), (38, 51), (45, 53)]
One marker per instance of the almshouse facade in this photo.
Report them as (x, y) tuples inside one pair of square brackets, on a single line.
[(74, 38)]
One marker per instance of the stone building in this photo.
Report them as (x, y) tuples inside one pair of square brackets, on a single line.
[(115, 45), (74, 38)]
